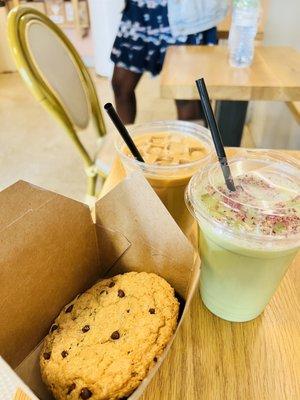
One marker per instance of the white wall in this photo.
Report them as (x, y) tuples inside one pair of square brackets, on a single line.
[(273, 125), (283, 23)]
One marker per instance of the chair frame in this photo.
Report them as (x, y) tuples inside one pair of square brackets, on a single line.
[(18, 20)]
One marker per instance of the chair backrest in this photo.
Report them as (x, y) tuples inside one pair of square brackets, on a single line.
[(55, 73)]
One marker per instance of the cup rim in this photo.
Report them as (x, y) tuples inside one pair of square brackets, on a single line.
[(243, 236), (199, 130)]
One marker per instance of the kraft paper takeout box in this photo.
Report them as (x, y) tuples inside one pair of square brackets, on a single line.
[(51, 250)]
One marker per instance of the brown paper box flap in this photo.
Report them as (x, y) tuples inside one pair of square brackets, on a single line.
[(19, 199), (30, 373), (133, 209), (48, 255)]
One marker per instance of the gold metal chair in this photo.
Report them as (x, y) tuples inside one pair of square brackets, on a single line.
[(54, 72)]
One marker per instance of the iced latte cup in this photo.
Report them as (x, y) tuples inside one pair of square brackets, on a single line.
[(248, 238), (173, 151)]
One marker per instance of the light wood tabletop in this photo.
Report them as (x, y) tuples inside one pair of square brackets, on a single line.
[(274, 74), (212, 359)]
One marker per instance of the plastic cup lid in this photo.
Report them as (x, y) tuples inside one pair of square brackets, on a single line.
[(266, 202)]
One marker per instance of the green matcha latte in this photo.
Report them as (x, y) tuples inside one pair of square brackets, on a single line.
[(249, 237)]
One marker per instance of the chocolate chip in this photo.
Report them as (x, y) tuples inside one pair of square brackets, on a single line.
[(152, 310), (121, 293), (71, 388), (115, 335), (64, 354), (53, 328), (85, 393), (69, 309), (112, 284), (86, 328), (128, 311), (155, 359), (47, 356)]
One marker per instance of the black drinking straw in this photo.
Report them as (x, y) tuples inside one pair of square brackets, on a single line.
[(209, 115), (123, 131)]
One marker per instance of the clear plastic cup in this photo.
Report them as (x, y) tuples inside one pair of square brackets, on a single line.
[(248, 238), (169, 181)]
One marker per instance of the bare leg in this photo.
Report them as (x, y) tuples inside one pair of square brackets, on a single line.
[(124, 83), (189, 110)]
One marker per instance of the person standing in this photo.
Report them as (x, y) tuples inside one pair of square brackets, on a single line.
[(147, 28)]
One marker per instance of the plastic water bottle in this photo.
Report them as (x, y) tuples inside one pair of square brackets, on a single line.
[(245, 15)]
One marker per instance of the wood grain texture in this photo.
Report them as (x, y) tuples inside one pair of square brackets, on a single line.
[(20, 395), (294, 106), (268, 78), (212, 359)]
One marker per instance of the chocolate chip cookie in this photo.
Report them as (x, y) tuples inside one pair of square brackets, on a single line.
[(102, 344)]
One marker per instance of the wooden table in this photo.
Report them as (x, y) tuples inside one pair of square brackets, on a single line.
[(212, 359), (274, 75)]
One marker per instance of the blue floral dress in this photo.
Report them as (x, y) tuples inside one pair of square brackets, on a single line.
[(144, 35)]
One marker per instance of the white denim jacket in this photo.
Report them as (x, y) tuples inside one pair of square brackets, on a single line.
[(192, 16)]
